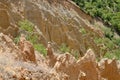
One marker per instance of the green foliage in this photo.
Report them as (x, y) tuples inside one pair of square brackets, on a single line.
[(106, 42), (41, 48), (83, 31), (107, 10), (117, 41), (33, 38), (117, 54), (110, 47), (26, 25), (109, 56), (64, 48), (16, 39), (115, 20), (28, 29), (75, 53)]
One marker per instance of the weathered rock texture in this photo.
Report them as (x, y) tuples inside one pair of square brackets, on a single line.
[(110, 67), (27, 49), (59, 21), (13, 66)]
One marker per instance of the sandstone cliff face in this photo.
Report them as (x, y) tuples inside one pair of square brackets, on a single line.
[(7, 24), (59, 21), (14, 66)]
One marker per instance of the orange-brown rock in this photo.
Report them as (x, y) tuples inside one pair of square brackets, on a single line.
[(89, 66), (8, 47), (82, 76), (66, 63), (52, 58), (64, 66), (49, 50), (4, 19), (110, 70), (1, 77), (27, 49), (7, 26), (65, 28), (59, 21)]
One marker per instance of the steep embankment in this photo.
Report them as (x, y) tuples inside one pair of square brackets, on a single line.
[(108, 11), (21, 62), (56, 21)]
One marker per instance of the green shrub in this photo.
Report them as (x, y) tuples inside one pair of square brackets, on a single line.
[(107, 10), (75, 53), (26, 25), (40, 48), (108, 43), (109, 56), (117, 41), (98, 40), (83, 31), (117, 54), (16, 39), (64, 48), (31, 36), (28, 28), (108, 33)]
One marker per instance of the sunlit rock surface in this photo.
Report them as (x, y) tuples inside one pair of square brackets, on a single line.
[(14, 66), (59, 21)]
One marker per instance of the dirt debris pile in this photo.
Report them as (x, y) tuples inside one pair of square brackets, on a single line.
[(54, 66)]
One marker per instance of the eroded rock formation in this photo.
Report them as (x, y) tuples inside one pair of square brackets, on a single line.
[(55, 20), (59, 21), (110, 67), (64, 66), (52, 58), (27, 49)]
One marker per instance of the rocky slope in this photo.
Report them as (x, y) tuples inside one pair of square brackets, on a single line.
[(56, 21), (23, 63)]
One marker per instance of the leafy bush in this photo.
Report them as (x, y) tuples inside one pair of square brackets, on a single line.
[(75, 53), (108, 33), (117, 54), (16, 39), (28, 29), (117, 41), (109, 56), (64, 48), (83, 31), (41, 48), (107, 10), (26, 25), (33, 38), (110, 47)]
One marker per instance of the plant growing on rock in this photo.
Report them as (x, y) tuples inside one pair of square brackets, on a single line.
[(64, 48), (27, 28)]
